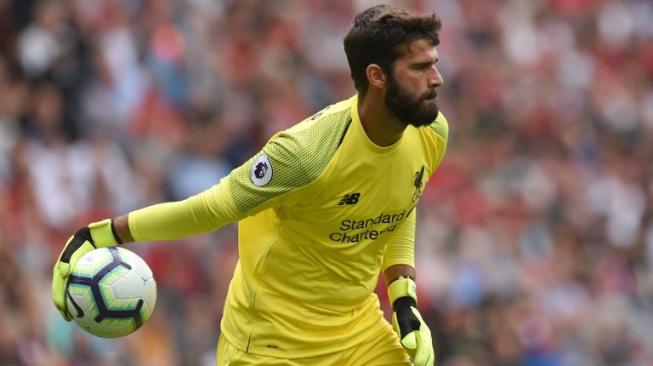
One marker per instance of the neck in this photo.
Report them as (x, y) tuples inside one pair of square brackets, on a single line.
[(380, 125)]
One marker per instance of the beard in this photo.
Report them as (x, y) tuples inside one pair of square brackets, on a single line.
[(411, 110)]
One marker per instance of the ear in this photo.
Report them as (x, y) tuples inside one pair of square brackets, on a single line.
[(375, 76)]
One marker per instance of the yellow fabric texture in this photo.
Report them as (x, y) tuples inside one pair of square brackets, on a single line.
[(322, 209), (201, 213), (382, 349), (401, 249)]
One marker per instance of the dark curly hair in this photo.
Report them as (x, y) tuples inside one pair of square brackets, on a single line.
[(378, 34)]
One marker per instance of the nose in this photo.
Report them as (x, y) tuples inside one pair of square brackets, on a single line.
[(436, 80)]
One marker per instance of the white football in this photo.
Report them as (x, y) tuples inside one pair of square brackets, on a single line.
[(111, 292)]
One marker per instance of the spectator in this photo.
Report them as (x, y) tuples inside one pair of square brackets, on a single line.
[(536, 246)]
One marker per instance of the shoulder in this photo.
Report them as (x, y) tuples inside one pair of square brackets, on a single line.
[(324, 126), (440, 127), (291, 159), (434, 138), (314, 141)]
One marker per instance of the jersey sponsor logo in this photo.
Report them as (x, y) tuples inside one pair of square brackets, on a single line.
[(261, 171), (349, 199), (371, 228)]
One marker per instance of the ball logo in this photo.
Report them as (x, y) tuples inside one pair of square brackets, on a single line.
[(261, 171)]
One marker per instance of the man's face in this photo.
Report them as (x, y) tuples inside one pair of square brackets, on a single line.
[(412, 86)]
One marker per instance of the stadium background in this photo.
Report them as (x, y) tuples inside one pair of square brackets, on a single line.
[(535, 238)]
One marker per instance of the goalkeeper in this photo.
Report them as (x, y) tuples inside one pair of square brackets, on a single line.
[(323, 208)]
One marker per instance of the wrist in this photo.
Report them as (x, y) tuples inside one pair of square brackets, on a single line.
[(402, 287), (103, 234)]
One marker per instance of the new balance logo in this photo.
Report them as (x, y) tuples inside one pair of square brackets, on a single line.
[(349, 199)]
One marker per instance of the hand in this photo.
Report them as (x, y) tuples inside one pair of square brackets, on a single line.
[(407, 322), (95, 235)]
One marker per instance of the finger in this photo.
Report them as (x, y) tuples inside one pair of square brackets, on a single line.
[(395, 325), (83, 249), (67, 317), (428, 343), (63, 270), (65, 252), (58, 285), (82, 237), (59, 293), (410, 341), (62, 310), (421, 352), (431, 360)]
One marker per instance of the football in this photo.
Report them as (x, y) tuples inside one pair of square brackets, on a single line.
[(111, 292)]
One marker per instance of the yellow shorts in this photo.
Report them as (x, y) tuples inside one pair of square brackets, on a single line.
[(383, 349)]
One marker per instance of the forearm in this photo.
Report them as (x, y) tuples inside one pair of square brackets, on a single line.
[(198, 214), (399, 258)]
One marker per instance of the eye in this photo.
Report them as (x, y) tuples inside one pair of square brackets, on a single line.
[(423, 66)]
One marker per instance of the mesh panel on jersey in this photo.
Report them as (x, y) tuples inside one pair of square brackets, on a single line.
[(441, 127), (298, 156)]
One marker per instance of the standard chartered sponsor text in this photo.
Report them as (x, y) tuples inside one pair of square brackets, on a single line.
[(357, 230)]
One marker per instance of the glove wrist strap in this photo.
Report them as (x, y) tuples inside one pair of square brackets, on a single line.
[(404, 304), (103, 233), (402, 287)]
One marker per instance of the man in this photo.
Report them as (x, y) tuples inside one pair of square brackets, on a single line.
[(324, 207)]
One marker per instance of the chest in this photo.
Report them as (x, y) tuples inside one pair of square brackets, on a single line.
[(362, 197)]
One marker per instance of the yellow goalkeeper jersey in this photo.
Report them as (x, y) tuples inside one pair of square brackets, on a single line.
[(327, 210), (322, 211)]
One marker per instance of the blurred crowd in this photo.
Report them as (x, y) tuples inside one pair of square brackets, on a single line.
[(535, 237)]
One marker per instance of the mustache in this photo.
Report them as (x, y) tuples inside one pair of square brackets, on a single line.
[(430, 95)]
